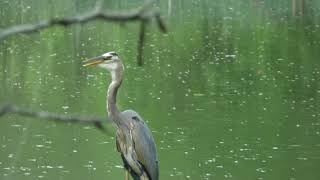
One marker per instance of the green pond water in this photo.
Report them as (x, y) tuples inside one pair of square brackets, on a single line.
[(232, 91)]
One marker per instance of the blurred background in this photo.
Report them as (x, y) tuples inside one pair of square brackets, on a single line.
[(230, 92)]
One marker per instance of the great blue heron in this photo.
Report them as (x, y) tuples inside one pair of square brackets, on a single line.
[(134, 139)]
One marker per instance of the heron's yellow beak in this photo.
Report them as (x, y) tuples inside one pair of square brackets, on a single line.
[(93, 61)]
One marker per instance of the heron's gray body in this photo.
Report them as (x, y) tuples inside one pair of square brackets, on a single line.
[(137, 147)]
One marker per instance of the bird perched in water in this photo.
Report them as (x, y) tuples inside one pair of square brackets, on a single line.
[(133, 138)]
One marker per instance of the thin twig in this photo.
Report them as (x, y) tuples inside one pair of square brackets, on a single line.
[(160, 23), (11, 109)]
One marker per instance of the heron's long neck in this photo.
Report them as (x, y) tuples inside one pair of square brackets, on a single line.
[(112, 107)]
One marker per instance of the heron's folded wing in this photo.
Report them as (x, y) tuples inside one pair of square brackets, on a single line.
[(144, 145)]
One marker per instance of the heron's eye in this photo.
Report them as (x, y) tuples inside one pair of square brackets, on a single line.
[(107, 58), (114, 54)]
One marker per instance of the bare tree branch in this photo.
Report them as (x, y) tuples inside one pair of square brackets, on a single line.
[(140, 14), (11, 109), (143, 14)]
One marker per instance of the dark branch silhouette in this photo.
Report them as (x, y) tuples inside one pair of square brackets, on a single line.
[(11, 109), (140, 14), (143, 14), (141, 42)]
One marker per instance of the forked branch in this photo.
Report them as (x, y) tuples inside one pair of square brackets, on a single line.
[(143, 14), (139, 14)]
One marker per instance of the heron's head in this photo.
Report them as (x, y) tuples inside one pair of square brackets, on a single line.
[(109, 61)]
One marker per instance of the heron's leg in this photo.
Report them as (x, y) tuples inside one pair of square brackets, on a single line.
[(144, 176), (126, 174)]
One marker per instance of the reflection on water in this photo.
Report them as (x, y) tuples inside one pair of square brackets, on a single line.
[(231, 92)]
